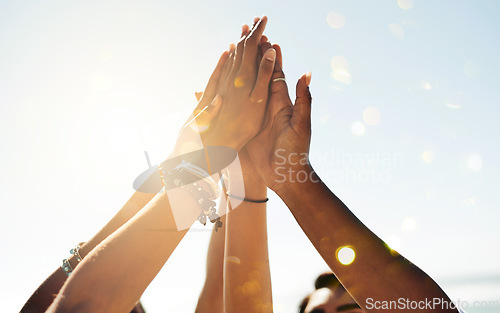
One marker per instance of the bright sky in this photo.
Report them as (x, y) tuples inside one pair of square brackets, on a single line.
[(404, 129)]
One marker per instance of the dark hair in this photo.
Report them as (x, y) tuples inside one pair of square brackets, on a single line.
[(328, 280)]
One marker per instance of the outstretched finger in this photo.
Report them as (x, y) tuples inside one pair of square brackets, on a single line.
[(213, 82), (227, 69), (238, 52), (265, 45), (248, 70), (279, 56), (301, 116), (260, 90)]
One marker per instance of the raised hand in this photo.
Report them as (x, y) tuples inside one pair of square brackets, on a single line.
[(244, 88), (201, 122), (280, 151), (231, 109)]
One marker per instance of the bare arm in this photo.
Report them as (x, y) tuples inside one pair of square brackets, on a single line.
[(47, 291), (123, 264), (377, 272), (247, 277), (242, 277), (211, 296), (282, 146), (143, 244), (238, 275)]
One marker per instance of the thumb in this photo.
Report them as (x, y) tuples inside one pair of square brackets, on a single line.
[(301, 116), (198, 95)]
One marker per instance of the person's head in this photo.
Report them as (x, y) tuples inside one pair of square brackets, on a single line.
[(329, 297)]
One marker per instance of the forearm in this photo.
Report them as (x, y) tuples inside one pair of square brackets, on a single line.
[(211, 296), (377, 271), (247, 280), (47, 291), (114, 274)]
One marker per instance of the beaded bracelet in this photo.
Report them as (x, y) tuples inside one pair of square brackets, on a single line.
[(199, 184)]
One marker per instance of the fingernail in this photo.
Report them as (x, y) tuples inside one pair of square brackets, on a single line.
[(271, 54), (308, 78), (216, 101)]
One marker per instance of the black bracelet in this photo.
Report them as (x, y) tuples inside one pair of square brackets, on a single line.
[(247, 200)]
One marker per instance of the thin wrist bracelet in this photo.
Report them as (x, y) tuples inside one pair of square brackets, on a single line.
[(76, 251), (66, 266), (247, 200)]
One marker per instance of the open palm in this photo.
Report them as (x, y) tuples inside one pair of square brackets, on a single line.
[(282, 146)]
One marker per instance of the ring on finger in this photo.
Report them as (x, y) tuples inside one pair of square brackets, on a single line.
[(279, 79)]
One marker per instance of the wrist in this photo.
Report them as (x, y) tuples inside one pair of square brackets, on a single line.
[(215, 140)]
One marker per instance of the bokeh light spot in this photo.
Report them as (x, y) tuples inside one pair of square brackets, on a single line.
[(340, 69), (397, 30), (335, 19), (425, 85), (405, 4), (339, 62), (453, 105), (250, 287), (346, 255), (371, 116), (408, 225), (358, 128), (342, 76), (475, 162), (471, 69), (430, 194), (428, 157), (238, 82), (324, 119)]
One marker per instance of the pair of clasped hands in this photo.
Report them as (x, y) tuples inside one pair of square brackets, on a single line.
[(246, 106)]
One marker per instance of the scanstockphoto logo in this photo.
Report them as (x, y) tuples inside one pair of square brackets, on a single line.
[(430, 304), (339, 166)]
